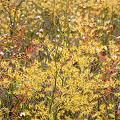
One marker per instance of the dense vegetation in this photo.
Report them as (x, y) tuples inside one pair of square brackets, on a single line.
[(60, 60)]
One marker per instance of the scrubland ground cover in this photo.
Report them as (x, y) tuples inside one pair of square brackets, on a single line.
[(60, 60)]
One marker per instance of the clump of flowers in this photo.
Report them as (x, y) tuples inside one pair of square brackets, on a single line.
[(61, 61)]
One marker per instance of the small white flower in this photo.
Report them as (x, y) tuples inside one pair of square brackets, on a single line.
[(38, 16), (83, 37), (57, 35), (22, 114), (105, 47), (58, 30), (60, 48), (53, 40), (22, 15), (118, 37), (1, 53), (83, 6), (69, 20), (98, 50), (41, 30), (37, 33)]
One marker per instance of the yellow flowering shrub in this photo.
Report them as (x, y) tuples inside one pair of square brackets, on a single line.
[(68, 61)]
